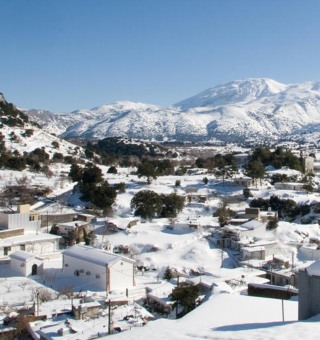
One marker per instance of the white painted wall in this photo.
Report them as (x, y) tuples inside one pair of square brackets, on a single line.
[(71, 264), (16, 221), (24, 268), (121, 275), (37, 248)]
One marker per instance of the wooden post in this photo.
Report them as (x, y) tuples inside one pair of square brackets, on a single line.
[(38, 304), (109, 318)]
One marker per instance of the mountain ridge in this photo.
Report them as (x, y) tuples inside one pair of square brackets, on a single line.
[(258, 109)]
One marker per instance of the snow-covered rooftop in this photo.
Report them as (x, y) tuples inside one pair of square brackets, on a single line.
[(94, 255)]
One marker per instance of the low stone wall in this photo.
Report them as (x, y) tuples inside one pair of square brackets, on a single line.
[(11, 232)]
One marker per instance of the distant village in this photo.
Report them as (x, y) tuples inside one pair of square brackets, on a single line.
[(68, 267)]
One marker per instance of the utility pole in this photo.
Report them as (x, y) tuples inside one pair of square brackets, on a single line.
[(38, 304), (222, 253), (47, 223), (109, 318)]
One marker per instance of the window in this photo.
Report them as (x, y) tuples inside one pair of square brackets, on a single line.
[(6, 251), (88, 273), (22, 247)]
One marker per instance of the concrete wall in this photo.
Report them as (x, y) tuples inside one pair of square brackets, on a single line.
[(309, 295), (310, 254), (55, 219), (121, 275), (4, 220), (248, 254), (24, 268), (37, 248), (23, 221), (98, 273)]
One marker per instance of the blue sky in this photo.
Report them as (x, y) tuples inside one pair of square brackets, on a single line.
[(71, 54)]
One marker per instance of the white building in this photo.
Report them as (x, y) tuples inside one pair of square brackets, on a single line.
[(23, 218), (289, 186), (309, 291), (110, 271), (242, 159), (26, 264), (37, 244), (70, 227)]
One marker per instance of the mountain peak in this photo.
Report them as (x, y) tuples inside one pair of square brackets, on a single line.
[(237, 91)]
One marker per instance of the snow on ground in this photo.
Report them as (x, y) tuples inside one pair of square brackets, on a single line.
[(153, 244), (231, 316)]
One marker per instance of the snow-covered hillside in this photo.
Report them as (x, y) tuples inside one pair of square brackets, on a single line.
[(255, 109), (20, 135)]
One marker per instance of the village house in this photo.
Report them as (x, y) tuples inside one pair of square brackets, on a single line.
[(310, 252), (85, 308), (258, 250), (109, 271), (243, 181), (190, 224), (254, 213), (242, 160), (194, 196), (308, 164), (158, 298), (289, 186), (235, 237), (309, 291), (37, 244), (118, 224), (20, 230), (23, 218), (26, 264), (72, 232)]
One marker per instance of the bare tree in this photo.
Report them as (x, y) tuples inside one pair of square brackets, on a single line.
[(42, 294), (66, 291)]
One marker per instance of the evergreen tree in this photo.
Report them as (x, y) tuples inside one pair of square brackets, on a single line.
[(272, 224), (103, 196), (147, 169), (186, 296), (247, 193), (147, 204), (255, 169), (112, 170), (75, 173), (168, 275), (172, 205)]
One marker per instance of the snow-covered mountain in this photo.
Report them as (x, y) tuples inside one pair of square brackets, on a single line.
[(19, 135), (255, 109)]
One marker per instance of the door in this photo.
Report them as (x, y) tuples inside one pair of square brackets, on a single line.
[(34, 270)]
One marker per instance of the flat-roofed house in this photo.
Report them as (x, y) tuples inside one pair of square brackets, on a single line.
[(108, 270)]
